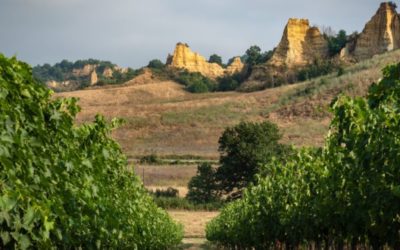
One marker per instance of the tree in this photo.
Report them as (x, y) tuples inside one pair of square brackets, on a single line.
[(214, 58), (203, 187), (337, 42), (156, 64), (242, 148), (327, 31), (254, 55), (392, 4), (198, 87)]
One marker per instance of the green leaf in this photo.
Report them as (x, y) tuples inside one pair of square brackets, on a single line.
[(25, 92), (5, 236), (3, 93), (396, 191), (24, 241), (55, 116), (29, 218), (87, 163)]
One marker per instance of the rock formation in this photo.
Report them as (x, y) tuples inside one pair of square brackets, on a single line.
[(381, 34), (93, 77), (184, 58), (122, 70), (236, 66), (300, 44), (55, 84), (108, 72), (86, 70)]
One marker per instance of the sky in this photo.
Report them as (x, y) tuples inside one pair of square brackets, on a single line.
[(131, 33)]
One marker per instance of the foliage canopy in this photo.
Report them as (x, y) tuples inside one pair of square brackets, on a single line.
[(243, 148), (346, 192), (64, 186)]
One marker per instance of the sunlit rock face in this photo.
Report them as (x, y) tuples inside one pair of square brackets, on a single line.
[(183, 57), (381, 34), (85, 71), (300, 44)]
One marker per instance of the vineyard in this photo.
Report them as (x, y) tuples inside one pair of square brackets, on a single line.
[(68, 187), (345, 195)]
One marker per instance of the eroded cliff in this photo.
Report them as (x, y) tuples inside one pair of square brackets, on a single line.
[(381, 34), (300, 44), (183, 57)]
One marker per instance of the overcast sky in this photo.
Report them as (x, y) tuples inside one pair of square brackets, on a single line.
[(130, 33)]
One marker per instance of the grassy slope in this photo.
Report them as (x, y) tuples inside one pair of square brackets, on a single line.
[(162, 118)]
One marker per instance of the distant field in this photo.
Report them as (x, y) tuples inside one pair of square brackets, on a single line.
[(162, 118), (194, 223)]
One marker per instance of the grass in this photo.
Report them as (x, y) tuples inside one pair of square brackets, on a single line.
[(162, 177), (194, 223), (164, 119)]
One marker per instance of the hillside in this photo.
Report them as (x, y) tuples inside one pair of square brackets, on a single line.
[(163, 118), (68, 76)]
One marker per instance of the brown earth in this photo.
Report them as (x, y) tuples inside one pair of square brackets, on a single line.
[(163, 118)]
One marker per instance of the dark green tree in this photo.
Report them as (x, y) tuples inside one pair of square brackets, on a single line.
[(254, 55), (337, 42), (214, 58), (242, 148), (393, 4), (198, 87), (203, 187), (156, 64)]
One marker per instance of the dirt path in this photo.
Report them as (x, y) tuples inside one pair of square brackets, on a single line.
[(196, 244), (194, 224)]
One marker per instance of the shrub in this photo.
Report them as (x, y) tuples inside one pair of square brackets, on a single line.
[(156, 64), (64, 186), (150, 159), (198, 87), (170, 192)]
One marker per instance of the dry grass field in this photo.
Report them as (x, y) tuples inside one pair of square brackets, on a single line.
[(194, 223), (163, 118)]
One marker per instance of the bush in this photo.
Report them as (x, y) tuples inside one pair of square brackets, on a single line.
[(347, 192), (229, 82), (318, 68), (341, 71), (198, 87), (156, 64), (150, 159), (170, 192), (65, 186)]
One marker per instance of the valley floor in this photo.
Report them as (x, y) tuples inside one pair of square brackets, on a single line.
[(194, 224)]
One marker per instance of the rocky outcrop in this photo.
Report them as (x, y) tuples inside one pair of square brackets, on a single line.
[(93, 77), (184, 58), (86, 70), (108, 72), (300, 44), (122, 70), (236, 66), (55, 84), (381, 34)]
